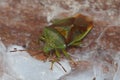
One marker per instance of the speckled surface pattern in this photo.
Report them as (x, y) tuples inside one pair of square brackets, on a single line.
[(22, 21)]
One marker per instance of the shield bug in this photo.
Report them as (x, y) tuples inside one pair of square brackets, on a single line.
[(65, 33)]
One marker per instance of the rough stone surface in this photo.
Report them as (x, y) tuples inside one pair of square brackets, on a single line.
[(22, 21)]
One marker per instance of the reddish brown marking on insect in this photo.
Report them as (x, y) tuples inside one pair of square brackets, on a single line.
[(81, 23)]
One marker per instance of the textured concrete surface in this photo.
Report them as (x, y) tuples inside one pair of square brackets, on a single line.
[(22, 21)]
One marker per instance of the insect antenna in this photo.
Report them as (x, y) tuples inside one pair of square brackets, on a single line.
[(62, 66)]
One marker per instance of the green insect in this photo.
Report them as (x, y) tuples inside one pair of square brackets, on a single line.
[(65, 33)]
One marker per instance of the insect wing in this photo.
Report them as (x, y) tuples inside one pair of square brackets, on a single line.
[(77, 39), (82, 25)]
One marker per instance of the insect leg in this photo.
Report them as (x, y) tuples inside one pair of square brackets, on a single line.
[(69, 57), (52, 62), (57, 53), (66, 54), (62, 66)]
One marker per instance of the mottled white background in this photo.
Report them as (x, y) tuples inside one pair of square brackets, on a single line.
[(99, 59)]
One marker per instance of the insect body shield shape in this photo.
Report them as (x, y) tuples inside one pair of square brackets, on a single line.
[(53, 39), (66, 32)]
